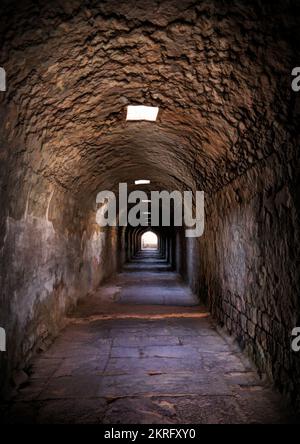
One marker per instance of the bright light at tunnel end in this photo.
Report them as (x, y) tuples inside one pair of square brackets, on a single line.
[(141, 112), (149, 241)]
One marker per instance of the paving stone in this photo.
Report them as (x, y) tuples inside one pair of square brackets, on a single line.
[(68, 411), (180, 383), (71, 387), (143, 341), (158, 365)]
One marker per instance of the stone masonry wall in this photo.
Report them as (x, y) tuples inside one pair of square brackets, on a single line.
[(249, 272), (51, 254)]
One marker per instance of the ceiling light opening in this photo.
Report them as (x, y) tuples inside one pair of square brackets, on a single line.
[(142, 182), (141, 112)]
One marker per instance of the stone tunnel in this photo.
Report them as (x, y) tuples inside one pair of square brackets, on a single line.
[(99, 326)]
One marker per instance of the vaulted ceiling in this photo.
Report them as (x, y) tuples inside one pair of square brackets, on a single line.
[(218, 72)]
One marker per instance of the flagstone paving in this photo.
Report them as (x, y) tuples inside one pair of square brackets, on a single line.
[(142, 350)]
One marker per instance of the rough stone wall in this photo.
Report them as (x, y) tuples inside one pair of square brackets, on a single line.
[(249, 271), (51, 254), (192, 264)]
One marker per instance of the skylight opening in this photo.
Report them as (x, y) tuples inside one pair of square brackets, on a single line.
[(142, 182), (141, 112)]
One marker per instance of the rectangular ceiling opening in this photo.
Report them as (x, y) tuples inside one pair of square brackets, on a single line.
[(142, 182), (141, 112)]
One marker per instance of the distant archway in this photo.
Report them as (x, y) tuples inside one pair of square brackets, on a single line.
[(149, 241)]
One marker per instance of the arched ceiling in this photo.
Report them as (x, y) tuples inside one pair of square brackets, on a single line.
[(217, 70)]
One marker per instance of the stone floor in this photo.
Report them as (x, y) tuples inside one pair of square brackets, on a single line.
[(141, 350)]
